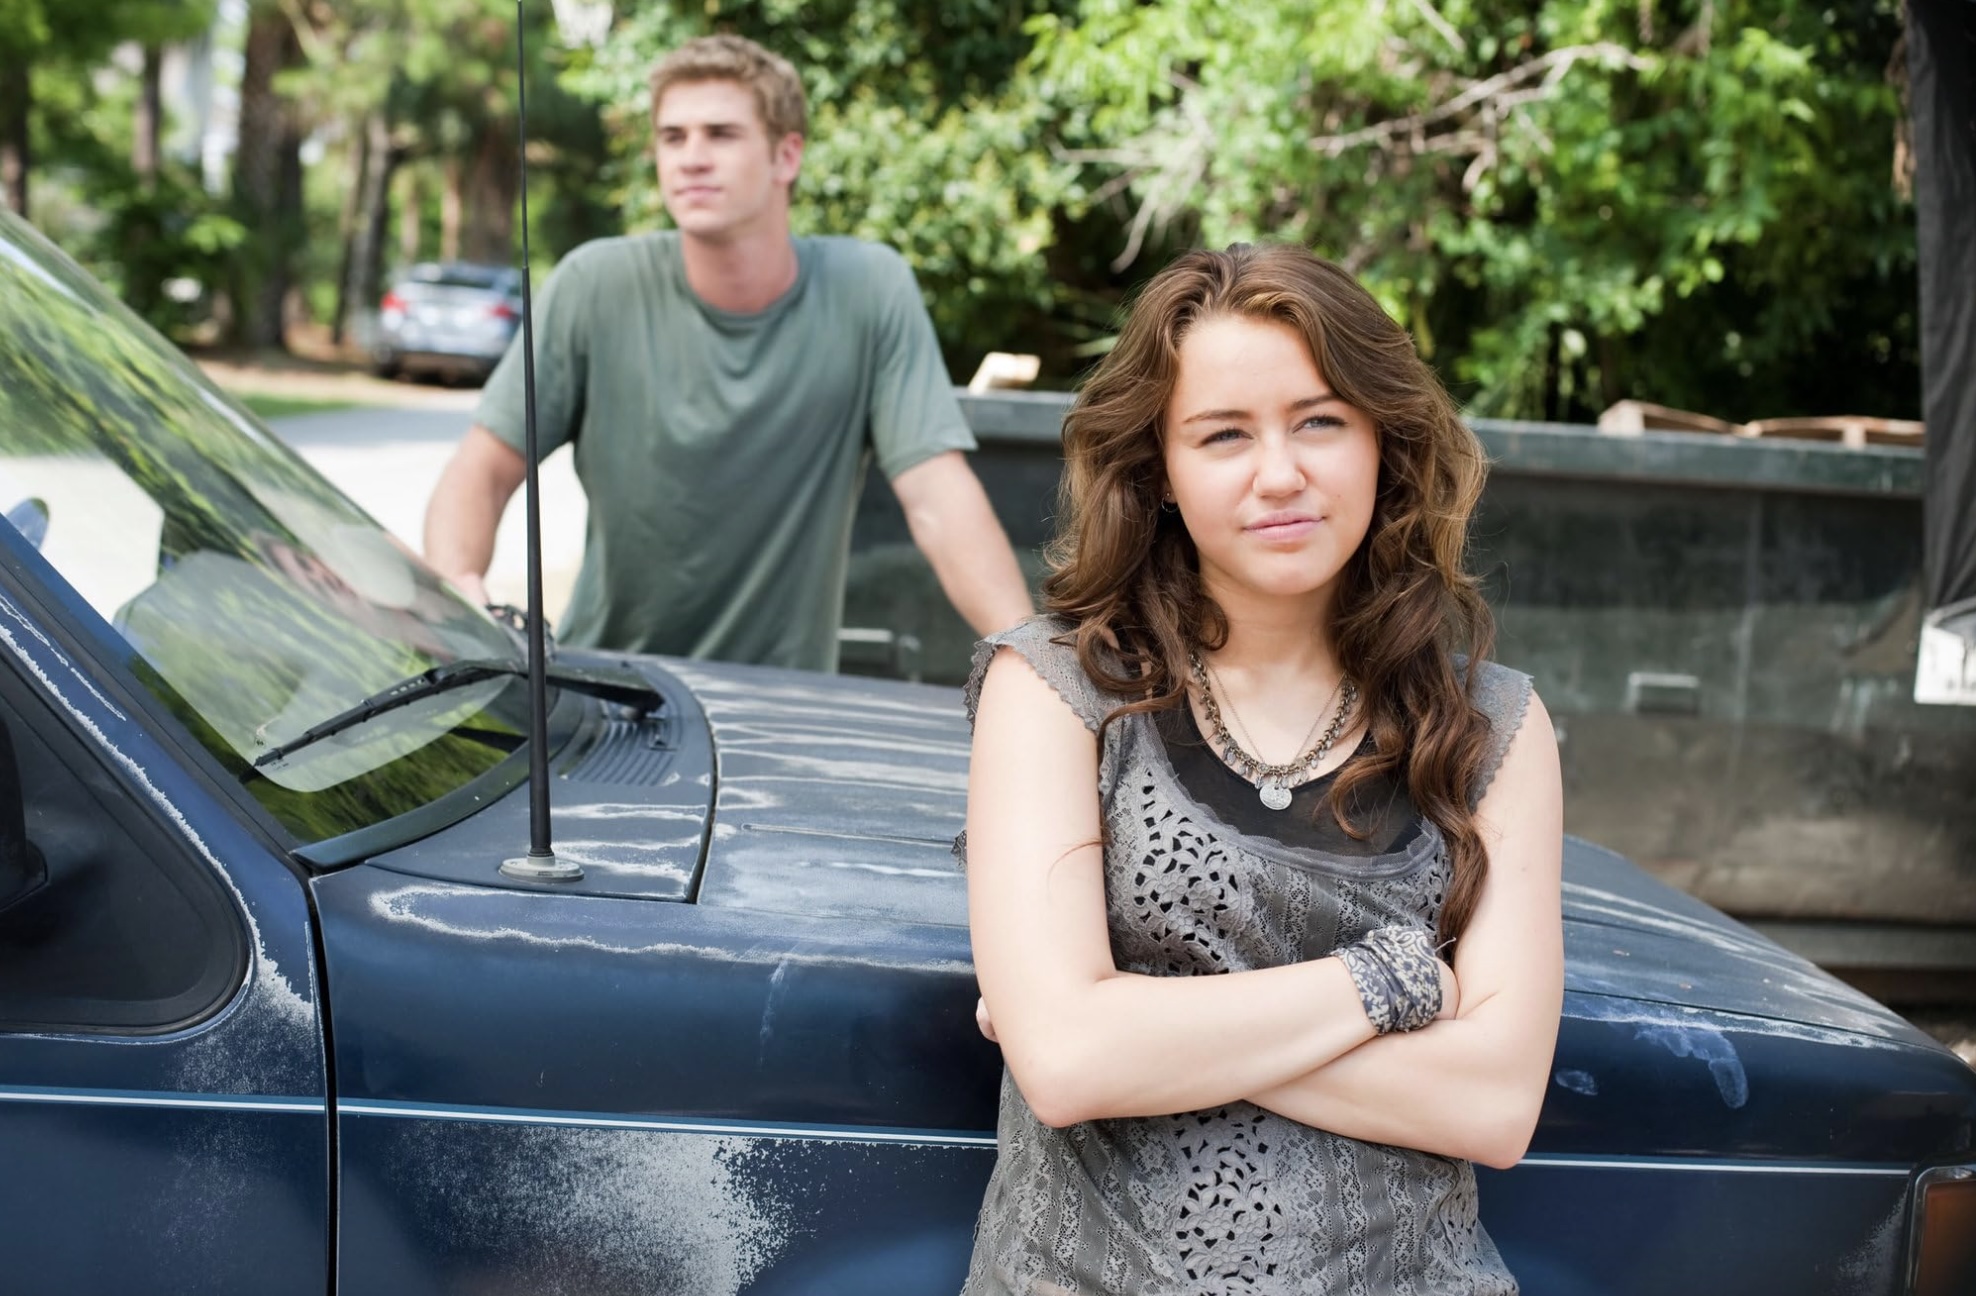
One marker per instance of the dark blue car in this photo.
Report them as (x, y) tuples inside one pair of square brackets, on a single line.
[(272, 1020)]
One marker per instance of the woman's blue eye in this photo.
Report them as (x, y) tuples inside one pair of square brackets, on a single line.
[(1324, 420), (1221, 434)]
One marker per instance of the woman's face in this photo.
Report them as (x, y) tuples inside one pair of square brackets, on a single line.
[(1274, 475)]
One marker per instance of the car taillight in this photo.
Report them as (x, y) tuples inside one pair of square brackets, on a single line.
[(1942, 1247), (392, 302), (503, 311)]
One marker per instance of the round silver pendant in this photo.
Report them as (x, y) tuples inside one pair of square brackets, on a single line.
[(1274, 795)]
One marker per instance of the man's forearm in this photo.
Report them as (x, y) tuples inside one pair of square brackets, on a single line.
[(983, 580), (955, 526), (465, 510), (459, 530)]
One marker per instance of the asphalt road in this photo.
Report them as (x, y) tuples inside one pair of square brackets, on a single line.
[(387, 461)]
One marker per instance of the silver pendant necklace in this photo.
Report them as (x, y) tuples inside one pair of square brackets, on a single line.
[(1272, 781)]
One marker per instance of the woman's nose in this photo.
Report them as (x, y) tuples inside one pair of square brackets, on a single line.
[(1277, 469)]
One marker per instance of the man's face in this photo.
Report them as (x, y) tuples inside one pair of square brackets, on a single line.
[(721, 175)]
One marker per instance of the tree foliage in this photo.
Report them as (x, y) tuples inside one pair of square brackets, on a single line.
[(1567, 201), (139, 231)]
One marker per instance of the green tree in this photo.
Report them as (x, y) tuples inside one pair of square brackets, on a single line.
[(1567, 202), (61, 39), (142, 221), (428, 87)]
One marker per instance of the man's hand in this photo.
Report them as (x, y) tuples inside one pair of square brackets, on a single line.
[(955, 527), (472, 588), (466, 507)]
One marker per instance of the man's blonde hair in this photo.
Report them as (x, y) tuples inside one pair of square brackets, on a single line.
[(778, 90)]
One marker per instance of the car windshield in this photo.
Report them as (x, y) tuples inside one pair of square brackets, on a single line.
[(256, 600)]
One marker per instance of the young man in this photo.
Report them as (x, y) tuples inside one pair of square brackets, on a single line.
[(723, 384)]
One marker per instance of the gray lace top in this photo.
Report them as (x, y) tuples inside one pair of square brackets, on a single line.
[(1238, 1199)]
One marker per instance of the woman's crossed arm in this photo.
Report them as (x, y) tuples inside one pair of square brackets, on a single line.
[(1082, 1039), (1471, 1086)]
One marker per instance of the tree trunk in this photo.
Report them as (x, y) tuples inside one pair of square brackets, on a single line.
[(347, 228), (16, 97), (451, 205), (491, 189), (1553, 403), (411, 214), (149, 125), (266, 180), (366, 277)]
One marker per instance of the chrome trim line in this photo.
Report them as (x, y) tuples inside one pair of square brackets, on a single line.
[(668, 1125), (142, 1098), (1545, 1161)]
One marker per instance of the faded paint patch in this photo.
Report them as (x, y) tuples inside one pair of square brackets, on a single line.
[(14, 614), (1875, 1264), (1579, 1082), (643, 858), (573, 1212), (615, 810), (1619, 1010), (244, 1173), (479, 914), (1710, 1046), (775, 984)]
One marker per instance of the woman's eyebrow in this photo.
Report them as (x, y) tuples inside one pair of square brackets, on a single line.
[(1322, 398)]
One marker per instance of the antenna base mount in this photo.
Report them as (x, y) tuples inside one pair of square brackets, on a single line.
[(542, 868)]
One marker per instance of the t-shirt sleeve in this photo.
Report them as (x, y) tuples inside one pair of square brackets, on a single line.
[(914, 414), (561, 366)]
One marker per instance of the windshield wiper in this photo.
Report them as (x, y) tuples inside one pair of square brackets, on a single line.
[(625, 687)]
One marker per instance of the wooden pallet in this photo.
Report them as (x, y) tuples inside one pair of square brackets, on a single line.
[(1631, 417)]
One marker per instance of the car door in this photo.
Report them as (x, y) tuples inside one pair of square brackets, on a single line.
[(162, 1077)]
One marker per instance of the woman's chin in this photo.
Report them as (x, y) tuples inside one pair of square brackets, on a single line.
[(1279, 581)]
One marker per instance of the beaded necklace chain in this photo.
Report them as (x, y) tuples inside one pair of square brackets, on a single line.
[(1272, 781)]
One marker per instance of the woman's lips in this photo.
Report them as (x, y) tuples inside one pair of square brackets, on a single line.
[(1282, 526)]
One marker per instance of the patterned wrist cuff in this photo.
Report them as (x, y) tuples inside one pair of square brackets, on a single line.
[(1398, 977)]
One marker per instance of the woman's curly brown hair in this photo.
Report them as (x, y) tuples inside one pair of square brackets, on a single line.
[(1127, 575)]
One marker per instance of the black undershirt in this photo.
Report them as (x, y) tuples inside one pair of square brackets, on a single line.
[(1379, 807)]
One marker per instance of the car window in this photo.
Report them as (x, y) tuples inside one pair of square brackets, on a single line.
[(257, 599), (106, 923), (463, 276)]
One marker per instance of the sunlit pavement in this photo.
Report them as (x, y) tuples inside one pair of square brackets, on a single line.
[(387, 461)]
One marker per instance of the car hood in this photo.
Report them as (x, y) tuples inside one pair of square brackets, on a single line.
[(840, 797)]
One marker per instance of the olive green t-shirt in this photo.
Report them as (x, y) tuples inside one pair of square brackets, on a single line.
[(723, 454)]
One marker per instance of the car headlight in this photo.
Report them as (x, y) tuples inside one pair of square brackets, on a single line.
[(1942, 1242)]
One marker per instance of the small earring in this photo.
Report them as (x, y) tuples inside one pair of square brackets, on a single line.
[(1169, 505)]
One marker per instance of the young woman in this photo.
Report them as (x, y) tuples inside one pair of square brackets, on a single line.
[(1262, 853)]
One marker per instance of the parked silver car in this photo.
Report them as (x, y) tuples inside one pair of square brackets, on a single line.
[(453, 318)]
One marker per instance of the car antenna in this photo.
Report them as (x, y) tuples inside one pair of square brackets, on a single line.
[(541, 864)]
